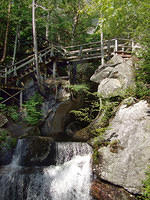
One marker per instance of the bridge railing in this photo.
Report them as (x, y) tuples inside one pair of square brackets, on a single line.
[(12, 70), (95, 50)]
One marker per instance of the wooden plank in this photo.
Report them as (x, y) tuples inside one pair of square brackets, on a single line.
[(84, 59)]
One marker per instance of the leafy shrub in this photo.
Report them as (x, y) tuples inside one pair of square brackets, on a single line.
[(12, 112), (146, 189), (78, 88), (32, 106), (6, 142), (89, 109)]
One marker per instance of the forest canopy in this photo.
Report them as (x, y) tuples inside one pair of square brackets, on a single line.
[(71, 22)]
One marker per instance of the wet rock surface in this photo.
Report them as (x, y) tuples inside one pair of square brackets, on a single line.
[(39, 151), (104, 191)]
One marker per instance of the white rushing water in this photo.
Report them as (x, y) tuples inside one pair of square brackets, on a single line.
[(70, 179)]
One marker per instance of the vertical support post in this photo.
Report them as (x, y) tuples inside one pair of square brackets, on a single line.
[(116, 45), (102, 49), (132, 46), (74, 72), (54, 69), (80, 52), (69, 73), (21, 99), (5, 75), (108, 47)]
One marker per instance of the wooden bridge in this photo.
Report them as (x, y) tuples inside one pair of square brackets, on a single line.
[(71, 55)]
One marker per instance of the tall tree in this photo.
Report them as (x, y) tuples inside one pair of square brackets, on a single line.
[(35, 40), (6, 34)]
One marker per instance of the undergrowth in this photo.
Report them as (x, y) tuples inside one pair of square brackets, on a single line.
[(6, 142), (32, 108)]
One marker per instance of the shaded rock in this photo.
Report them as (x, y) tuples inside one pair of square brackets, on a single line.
[(3, 120), (82, 135), (6, 156), (39, 151), (54, 125), (104, 191), (21, 129), (124, 161)]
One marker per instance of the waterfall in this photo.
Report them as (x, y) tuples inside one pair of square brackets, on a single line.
[(70, 179)]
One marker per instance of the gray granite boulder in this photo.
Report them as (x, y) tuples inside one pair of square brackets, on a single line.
[(115, 76), (124, 161)]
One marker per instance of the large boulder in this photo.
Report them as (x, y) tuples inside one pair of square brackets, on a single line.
[(115, 76), (36, 151), (124, 161), (109, 87)]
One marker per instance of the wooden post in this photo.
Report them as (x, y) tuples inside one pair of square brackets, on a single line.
[(5, 75), (108, 47), (102, 49), (116, 45), (21, 99), (132, 46), (69, 71), (80, 52), (54, 69), (74, 72)]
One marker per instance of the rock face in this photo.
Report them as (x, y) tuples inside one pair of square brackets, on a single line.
[(124, 161), (103, 191), (114, 77)]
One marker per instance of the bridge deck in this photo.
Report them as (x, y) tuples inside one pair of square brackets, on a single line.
[(78, 53)]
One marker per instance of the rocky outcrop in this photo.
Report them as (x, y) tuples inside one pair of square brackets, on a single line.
[(55, 109), (105, 191), (125, 159), (115, 76)]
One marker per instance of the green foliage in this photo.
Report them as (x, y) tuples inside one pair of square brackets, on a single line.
[(32, 107), (78, 89), (89, 109), (6, 142), (146, 189), (9, 111), (12, 112), (108, 111)]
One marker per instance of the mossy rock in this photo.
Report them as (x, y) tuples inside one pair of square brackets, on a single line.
[(39, 151)]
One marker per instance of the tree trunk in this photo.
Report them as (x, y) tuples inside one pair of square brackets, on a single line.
[(102, 49), (6, 34), (74, 26), (15, 45), (47, 26), (35, 41)]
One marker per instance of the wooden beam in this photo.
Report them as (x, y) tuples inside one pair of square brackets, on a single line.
[(8, 94), (10, 97)]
